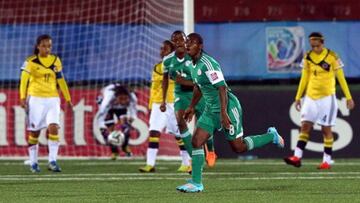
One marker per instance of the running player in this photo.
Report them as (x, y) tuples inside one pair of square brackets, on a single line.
[(176, 66), (222, 111), (40, 76), (159, 120), (320, 68)]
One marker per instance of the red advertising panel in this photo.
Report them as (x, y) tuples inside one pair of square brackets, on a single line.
[(79, 134)]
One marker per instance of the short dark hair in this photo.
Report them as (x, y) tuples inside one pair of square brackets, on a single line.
[(197, 36), (317, 36), (177, 32), (38, 41), (121, 90), (171, 45)]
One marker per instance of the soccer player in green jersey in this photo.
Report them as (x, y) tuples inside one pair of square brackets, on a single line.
[(222, 111), (176, 66)]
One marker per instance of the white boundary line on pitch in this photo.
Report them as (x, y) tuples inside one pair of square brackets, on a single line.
[(30, 175), (171, 178), (222, 163), (96, 158), (217, 163)]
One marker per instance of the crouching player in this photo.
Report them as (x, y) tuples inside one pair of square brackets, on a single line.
[(117, 101)]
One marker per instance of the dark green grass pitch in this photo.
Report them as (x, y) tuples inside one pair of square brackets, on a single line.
[(229, 181)]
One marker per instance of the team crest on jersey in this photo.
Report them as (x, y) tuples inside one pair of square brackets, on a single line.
[(187, 63), (325, 65), (199, 72), (214, 76)]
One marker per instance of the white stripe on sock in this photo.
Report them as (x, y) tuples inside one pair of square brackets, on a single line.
[(250, 143), (185, 134), (198, 152)]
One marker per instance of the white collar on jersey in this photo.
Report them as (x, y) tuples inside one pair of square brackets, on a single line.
[(180, 60)]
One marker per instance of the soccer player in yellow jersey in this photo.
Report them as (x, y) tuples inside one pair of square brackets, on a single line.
[(40, 76), (320, 68), (159, 120)]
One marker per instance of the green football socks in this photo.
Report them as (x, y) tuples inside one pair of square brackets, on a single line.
[(258, 141), (198, 159), (186, 137)]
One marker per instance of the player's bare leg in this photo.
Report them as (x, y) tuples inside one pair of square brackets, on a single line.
[(238, 145)]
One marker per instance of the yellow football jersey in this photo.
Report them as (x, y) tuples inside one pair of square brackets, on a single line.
[(43, 74), (321, 69), (156, 86)]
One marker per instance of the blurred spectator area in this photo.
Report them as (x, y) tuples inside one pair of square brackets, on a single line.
[(276, 10)]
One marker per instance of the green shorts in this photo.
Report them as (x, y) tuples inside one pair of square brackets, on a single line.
[(183, 100), (211, 121)]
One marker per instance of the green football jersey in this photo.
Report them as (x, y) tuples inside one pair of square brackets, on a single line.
[(207, 75), (174, 66)]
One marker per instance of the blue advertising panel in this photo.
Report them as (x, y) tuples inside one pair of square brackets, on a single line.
[(285, 47), (243, 48), (246, 51)]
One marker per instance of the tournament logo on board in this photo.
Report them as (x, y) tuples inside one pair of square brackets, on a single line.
[(285, 48)]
